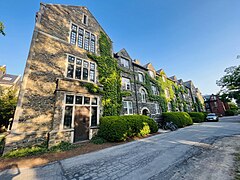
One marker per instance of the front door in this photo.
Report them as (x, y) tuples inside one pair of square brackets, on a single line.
[(81, 123)]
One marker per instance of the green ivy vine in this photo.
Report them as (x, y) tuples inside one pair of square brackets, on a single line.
[(109, 77)]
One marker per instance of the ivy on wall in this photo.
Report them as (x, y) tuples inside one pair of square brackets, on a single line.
[(109, 77)]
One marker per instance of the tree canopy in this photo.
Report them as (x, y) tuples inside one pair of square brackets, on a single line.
[(2, 29), (230, 84)]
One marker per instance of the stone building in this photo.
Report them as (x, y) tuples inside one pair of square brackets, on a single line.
[(8, 80), (54, 102)]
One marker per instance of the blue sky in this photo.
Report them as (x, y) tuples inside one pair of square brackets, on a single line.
[(192, 39)]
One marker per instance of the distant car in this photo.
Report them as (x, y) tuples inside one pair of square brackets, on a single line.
[(212, 117)]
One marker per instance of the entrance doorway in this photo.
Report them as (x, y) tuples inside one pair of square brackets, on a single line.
[(145, 112), (81, 123)]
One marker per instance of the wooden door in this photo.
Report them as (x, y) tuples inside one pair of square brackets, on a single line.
[(81, 123)]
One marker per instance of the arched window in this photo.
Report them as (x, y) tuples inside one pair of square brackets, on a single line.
[(143, 95)]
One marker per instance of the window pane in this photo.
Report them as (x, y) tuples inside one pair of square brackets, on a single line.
[(71, 59), (86, 100), (92, 76), (68, 117), (74, 27), (125, 104), (84, 19), (79, 62), (70, 70), (73, 37), (92, 66), (78, 73), (78, 100), (85, 74), (92, 43), (85, 64), (69, 99), (94, 116), (80, 40), (86, 42), (94, 101)]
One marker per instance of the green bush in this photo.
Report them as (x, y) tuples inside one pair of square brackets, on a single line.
[(97, 140), (28, 151), (181, 119), (229, 112), (197, 117), (119, 128)]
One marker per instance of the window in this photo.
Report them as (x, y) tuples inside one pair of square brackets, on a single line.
[(143, 95), (151, 74), (127, 106), (163, 78), (157, 108), (73, 35), (140, 77), (124, 62), (85, 19), (169, 106), (80, 37), (81, 69), (167, 93), (126, 85), (84, 39), (93, 39), (79, 100), (154, 90)]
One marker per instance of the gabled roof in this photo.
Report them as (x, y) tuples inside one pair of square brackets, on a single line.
[(123, 53), (180, 81), (173, 78), (149, 66), (9, 79), (159, 71)]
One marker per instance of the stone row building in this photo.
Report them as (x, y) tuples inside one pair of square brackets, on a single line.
[(53, 105)]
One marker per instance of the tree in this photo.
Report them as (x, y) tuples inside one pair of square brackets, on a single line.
[(2, 29), (8, 102), (230, 84)]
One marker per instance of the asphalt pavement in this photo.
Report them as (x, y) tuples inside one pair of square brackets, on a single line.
[(149, 158)]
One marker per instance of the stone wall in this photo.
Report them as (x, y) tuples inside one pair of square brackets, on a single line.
[(39, 106)]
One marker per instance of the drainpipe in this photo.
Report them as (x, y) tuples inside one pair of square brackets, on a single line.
[(135, 87)]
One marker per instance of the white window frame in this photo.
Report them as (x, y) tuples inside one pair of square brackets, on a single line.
[(151, 73), (142, 76), (75, 66), (143, 93), (126, 84), (83, 40), (76, 105), (157, 108), (125, 62), (128, 107), (154, 90)]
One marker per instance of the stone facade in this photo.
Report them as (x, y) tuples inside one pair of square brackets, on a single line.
[(54, 104)]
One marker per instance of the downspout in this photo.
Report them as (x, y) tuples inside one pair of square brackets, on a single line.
[(135, 86)]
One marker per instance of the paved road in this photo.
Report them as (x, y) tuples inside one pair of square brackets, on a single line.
[(150, 158)]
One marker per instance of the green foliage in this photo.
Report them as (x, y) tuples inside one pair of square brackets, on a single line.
[(92, 88), (119, 128), (230, 84), (126, 93), (181, 119), (197, 117), (230, 112), (109, 77), (8, 102), (39, 149), (2, 29), (98, 140)]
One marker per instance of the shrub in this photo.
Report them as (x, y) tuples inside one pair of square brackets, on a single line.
[(197, 117), (97, 140), (229, 112), (63, 146), (28, 151), (119, 128), (181, 119)]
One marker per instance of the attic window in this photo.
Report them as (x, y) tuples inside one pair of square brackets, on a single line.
[(7, 78), (85, 19)]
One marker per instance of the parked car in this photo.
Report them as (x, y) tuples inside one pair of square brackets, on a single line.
[(212, 117)]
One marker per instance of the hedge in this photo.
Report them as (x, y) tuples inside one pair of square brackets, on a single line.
[(197, 117), (119, 128), (229, 112), (181, 119)]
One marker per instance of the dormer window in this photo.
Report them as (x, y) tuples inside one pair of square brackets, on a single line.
[(85, 19), (151, 74), (125, 63)]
